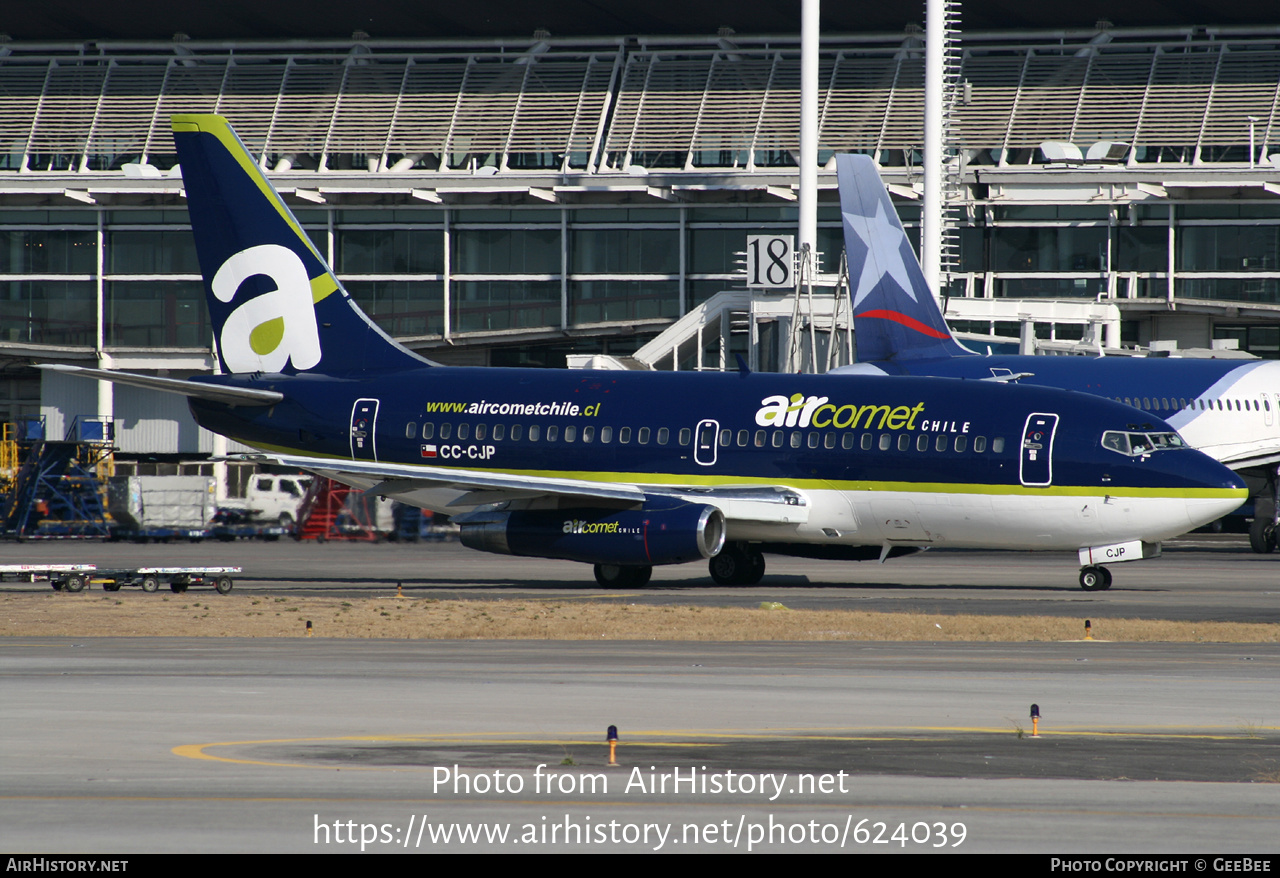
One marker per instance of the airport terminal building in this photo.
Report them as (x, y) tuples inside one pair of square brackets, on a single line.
[(513, 199)]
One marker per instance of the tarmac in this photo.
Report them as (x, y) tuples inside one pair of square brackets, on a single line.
[(123, 746)]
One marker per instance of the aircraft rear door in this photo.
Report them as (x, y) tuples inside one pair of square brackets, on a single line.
[(1036, 467), (364, 420), (706, 442)]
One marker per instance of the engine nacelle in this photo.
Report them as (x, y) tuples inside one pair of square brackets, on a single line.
[(663, 531)]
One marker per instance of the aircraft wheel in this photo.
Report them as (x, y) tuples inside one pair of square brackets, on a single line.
[(755, 572), (111, 586), (149, 583), (1094, 578), (177, 587), (74, 582), (222, 584), (733, 566), (1262, 536), (622, 575)]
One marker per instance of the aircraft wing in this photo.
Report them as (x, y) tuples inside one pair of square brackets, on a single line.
[(447, 489), (1267, 457), (475, 487)]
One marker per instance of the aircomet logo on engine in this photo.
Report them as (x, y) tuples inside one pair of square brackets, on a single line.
[(577, 526)]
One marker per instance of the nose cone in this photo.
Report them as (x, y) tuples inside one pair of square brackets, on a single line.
[(1208, 489)]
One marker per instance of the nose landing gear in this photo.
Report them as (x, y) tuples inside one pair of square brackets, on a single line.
[(1095, 578)]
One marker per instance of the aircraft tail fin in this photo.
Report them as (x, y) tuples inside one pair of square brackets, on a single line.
[(895, 314), (274, 303)]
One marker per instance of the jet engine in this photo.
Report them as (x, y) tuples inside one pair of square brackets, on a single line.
[(662, 531)]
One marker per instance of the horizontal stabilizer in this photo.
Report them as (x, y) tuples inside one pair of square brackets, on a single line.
[(212, 392)]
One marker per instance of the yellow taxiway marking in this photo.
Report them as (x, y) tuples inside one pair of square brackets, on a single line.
[(672, 738)]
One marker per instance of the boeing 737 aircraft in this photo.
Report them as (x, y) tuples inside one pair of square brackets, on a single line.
[(1226, 408), (627, 470)]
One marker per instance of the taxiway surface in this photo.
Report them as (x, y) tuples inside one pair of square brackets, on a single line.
[(130, 745), (1198, 578)]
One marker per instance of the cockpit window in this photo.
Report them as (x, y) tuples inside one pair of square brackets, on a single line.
[(1134, 444)]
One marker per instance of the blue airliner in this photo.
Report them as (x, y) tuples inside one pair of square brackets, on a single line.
[(628, 470), (1228, 409)]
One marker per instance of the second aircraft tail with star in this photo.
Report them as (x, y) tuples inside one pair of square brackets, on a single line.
[(896, 316)]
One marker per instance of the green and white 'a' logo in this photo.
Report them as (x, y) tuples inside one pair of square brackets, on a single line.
[(272, 329)]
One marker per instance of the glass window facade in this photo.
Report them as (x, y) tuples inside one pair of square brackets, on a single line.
[(48, 312), (160, 314), (423, 272), (52, 251)]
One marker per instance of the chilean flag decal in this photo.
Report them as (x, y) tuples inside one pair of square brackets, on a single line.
[(428, 451)]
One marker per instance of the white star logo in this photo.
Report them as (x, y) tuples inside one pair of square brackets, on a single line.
[(883, 239)]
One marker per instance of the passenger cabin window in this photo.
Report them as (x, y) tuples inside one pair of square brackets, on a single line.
[(588, 434), (624, 435), (446, 430), (997, 445), (516, 431), (570, 434), (643, 436), (499, 431), (553, 433), (481, 431), (663, 435), (410, 430), (428, 430), (535, 432), (686, 436)]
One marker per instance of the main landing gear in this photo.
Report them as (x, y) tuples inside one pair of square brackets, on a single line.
[(737, 564), (1095, 578), (1262, 536), (1262, 531), (623, 575)]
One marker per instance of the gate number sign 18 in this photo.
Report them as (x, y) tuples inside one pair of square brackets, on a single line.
[(769, 261)]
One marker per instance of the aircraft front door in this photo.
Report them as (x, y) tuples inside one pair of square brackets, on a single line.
[(1036, 469), (706, 442), (364, 418)]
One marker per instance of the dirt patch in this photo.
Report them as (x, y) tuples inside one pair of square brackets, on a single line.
[(132, 614)]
